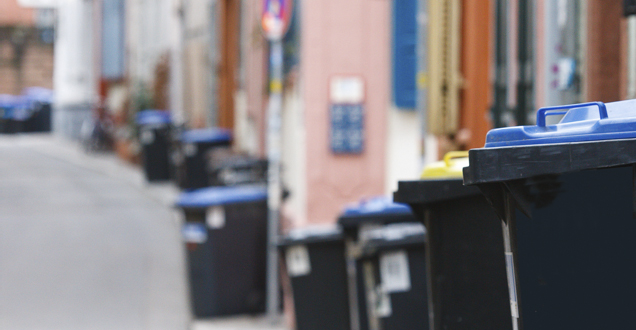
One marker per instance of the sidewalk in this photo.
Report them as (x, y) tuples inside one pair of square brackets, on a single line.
[(237, 323), (105, 201)]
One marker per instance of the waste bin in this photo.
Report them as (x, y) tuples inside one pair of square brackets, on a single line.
[(6, 111), (40, 101), (466, 266), (315, 263), (225, 231), (394, 268), (13, 111), (566, 194), (155, 137), (236, 170), (356, 220), (195, 145)]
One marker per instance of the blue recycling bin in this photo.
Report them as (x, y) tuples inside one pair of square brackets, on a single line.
[(195, 144), (225, 232), (7, 104), (40, 101), (155, 137), (14, 111), (566, 194), (315, 263), (356, 221), (394, 273)]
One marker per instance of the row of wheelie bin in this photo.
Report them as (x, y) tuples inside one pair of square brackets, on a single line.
[(194, 158), (26, 113), (433, 261), (223, 202), (533, 231)]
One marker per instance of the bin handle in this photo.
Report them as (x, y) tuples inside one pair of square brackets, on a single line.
[(454, 154), (543, 112)]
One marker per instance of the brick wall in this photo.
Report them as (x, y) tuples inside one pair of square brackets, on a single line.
[(27, 65), (604, 50), (12, 14)]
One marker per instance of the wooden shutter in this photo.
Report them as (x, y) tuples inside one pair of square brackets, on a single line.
[(444, 71)]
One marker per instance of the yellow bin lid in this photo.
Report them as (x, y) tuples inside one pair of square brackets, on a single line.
[(450, 168)]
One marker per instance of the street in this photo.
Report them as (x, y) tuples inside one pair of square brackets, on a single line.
[(84, 243)]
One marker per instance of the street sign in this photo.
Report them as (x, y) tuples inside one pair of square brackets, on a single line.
[(275, 19), (346, 95)]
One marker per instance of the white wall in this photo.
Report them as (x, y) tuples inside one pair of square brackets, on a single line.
[(176, 60), (294, 158), (147, 36), (73, 77), (403, 156), (73, 73)]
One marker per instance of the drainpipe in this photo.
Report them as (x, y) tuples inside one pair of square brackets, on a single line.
[(499, 107), (524, 54)]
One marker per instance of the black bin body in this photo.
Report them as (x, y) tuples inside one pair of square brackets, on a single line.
[(320, 290), (399, 254), (12, 126), (568, 202), (226, 258), (357, 219), (237, 170), (468, 284), (7, 104), (154, 136), (40, 120), (40, 101), (195, 147)]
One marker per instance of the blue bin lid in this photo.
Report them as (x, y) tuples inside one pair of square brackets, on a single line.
[(14, 107), (7, 101), (206, 197), (21, 108), (211, 135), (150, 117), (593, 121), (38, 94), (376, 206)]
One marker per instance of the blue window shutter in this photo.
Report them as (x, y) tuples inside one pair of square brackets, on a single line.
[(113, 39), (405, 53)]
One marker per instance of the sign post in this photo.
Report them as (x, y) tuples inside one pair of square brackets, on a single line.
[(275, 21)]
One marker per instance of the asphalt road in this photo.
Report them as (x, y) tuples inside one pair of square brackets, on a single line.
[(84, 244)]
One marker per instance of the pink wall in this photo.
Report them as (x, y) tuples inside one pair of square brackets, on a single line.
[(539, 55), (344, 37)]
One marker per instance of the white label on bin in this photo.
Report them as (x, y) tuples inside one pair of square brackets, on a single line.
[(215, 217), (147, 137), (512, 287), (394, 271), (177, 157), (190, 149), (194, 233), (382, 303), (298, 263)]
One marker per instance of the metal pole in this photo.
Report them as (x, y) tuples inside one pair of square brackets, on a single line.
[(422, 70), (524, 47), (273, 175), (501, 54)]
